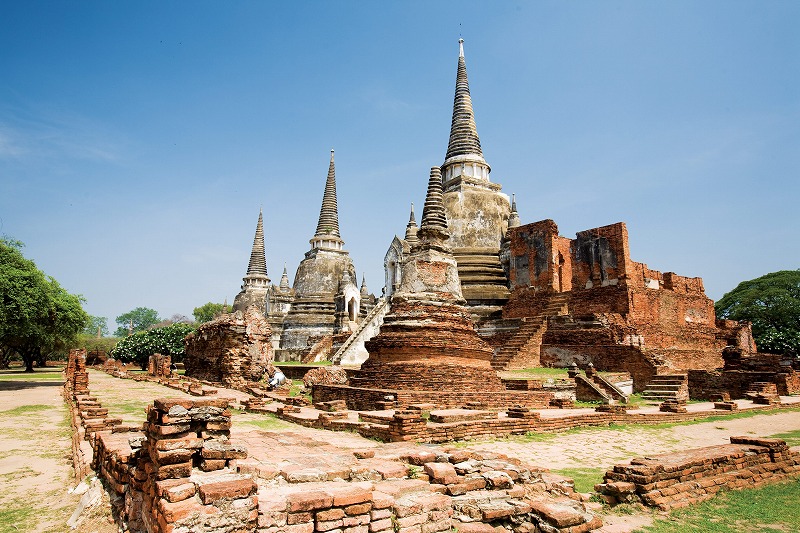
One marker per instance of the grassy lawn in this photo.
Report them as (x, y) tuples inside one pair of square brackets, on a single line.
[(538, 373), (792, 438), (771, 509), (49, 373), (585, 478)]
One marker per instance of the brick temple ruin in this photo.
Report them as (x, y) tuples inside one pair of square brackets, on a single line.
[(534, 298)]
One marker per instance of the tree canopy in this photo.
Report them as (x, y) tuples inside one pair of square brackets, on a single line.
[(140, 318), (94, 323), (137, 348), (772, 304), (37, 316), (207, 312)]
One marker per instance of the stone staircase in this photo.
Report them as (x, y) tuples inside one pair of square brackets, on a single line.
[(667, 387), (530, 332), (352, 351), (528, 337)]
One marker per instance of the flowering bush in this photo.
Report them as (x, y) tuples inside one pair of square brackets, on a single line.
[(138, 348)]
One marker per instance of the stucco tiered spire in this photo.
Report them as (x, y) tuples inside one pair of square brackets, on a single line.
[(464, 146), (284, 285), (411, 229), (513, 218), (258, 260), (364, 289), (433, 228), (327, 234), (255, 282)]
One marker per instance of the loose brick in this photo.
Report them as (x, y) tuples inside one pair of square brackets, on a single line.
[(237, 488), (309, 501)]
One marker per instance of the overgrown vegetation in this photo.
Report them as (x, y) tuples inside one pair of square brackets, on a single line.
[(38, 318), (770, 509), (167, 340), (772, 304)]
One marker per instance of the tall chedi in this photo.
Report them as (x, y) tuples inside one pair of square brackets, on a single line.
[(256, 283), (319, 278), (477, 212), (427, 341)]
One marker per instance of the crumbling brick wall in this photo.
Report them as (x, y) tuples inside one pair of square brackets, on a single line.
[(666, 315), (231, 349), (177, 475), (159, 365), (682, 478)]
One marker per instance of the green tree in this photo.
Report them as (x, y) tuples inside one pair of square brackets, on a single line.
[(772, 304), (140, 318), (96, 322), (38, 318), (207, 312), (138, 348)]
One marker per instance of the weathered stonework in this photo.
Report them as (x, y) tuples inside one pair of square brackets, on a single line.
[(427, 340), (326, 299), (679, 479), (231, 349), (619, 315)]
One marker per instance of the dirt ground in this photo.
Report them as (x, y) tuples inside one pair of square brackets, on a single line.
[(36, 460), (603, 448), (35, 444)]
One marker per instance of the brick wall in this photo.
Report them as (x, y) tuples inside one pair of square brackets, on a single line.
[(176, 475), (367, 399), (231, 349), (679, 479)]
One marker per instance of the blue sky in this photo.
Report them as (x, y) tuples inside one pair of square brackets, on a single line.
[(138, 140)]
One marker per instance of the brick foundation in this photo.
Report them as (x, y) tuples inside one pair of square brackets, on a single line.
[(679, 479)]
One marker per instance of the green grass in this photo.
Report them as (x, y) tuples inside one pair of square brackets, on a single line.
[(15, 375), (770, 509), (540, 372), (269, 423), (585, 478), (23, 410), (792, 438), (18, 515)]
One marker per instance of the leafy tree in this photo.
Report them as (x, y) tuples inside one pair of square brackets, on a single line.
[(96, 322), (207, 312), (93, 344), (772, 304), (141, 318), (38, 318), (138, 348)]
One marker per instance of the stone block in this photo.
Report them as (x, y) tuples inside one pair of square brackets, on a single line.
[(175, 490), (309, 501), (443, 473), (236, 488), (214, 449), (345, 496)]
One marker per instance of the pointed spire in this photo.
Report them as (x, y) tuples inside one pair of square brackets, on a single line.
[(433, 228), (327, 235), (328, 224), (411, 229), (258, 261), (284, 285), (364, 290), (463, 132), (225, 306), (513, 218)]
